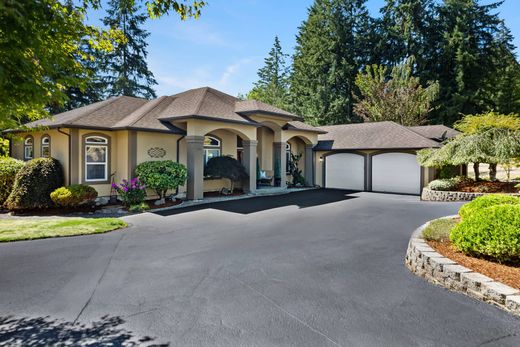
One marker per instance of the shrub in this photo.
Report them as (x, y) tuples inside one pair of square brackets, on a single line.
[(487, 201), (132, 192), (439, 229), (34, 184), (492, 232), (9, 167), (226, 167), (448, 171), (162, 175), (74, 195), (442, 184), (143, 206)]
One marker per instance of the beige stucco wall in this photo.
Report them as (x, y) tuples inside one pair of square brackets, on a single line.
[(265, 149), (199, 127)]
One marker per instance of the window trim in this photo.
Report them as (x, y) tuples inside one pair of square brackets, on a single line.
[(25, 146), (42, 145), (107, 144)]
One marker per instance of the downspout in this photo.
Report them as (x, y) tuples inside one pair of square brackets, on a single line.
[(177, 155), (70, 153)]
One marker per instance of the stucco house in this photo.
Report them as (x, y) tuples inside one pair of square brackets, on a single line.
[(106, 140)]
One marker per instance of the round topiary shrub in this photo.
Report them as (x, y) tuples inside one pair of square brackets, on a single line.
[(442, 184), (487, 201), (492, 232), (9, 167), (74, 196), (161, 175), (34, 184)]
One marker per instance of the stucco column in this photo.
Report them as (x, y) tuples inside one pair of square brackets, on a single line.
[(249, 161), (195, 148), (279, 155), (309, 168)]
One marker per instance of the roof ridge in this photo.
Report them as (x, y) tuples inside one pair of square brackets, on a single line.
[(199, 103), (412, 132), (100, 105), (139, 113)]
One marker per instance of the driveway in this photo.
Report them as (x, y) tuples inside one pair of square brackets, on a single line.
[(312, 268)]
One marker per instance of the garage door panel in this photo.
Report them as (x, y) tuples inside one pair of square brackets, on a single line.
[(345, 171), (396, 173)]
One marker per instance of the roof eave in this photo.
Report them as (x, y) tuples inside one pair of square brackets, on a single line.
[(179, 118), (253, 112)]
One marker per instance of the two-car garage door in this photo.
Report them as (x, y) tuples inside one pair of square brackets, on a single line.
[(392, 172)]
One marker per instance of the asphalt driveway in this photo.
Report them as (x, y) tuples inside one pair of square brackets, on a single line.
[(313, 268)]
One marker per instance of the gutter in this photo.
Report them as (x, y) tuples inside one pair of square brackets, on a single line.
[(70, 153)]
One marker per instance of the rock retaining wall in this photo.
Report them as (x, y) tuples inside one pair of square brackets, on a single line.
[(424, 261), (439, 195)]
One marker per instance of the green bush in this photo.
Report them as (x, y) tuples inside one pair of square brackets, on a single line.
[(439, 229), (74, 196), (226, 167), (34, 184), (9, 167), (487, 201), (448, 171), (492, 232), (442, 184), (162, 175)]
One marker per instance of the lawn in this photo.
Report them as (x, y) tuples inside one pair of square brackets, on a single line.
[(29, 229)]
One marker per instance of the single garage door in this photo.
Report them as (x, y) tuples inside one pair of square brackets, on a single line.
[(345, 171), (396, 173)]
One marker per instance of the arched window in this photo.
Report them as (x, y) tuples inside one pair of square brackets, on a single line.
[(288, 157), (46, 146), (28, 148), (96, 158), (211, 148)]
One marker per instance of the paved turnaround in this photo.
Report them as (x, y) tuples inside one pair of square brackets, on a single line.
[(313, 268)]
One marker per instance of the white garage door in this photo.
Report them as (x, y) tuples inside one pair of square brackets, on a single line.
[(396, 173), (345, 171)]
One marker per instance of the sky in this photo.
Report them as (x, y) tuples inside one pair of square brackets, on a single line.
[(227, 45)]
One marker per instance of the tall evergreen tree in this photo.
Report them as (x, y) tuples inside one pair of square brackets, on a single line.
[(125, 67), (273, 84), (331, 48)]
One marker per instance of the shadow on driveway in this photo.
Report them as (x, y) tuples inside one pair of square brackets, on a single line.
[(303, 199)]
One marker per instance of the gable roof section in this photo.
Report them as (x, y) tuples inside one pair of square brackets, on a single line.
[(435, 132), (297, 125), (379, 135), (248, 107)]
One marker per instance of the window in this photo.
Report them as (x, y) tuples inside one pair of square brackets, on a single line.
[(46, 146), (240, 148), (28, 148), (211, 148), (96, 159), (288, 157)]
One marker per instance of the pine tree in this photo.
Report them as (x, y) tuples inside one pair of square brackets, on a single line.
[(331, 48), (125, 67), (273, 85)]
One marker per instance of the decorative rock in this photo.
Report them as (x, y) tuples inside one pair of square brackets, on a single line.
[(497, 291), (102, 201), (473, 280), (159, 202), (513, 303), (439, 195)]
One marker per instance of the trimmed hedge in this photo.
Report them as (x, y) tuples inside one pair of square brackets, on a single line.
[(9, 167), (74, 196), (162, 175), (34, 184), (487, 201), (492, 232)]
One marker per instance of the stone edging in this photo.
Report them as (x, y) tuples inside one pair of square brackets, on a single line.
[(441, 195), (425, 262)]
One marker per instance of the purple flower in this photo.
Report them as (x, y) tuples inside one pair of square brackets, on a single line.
[(125, 189)]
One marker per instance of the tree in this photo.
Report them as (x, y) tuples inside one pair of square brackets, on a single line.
[(161, 175), (226, 167), (41, 44), (125, 68), (399, 97), (331, 48), (273, 84), (487, 138)]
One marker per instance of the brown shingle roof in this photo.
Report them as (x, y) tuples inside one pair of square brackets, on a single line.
[(435, 132), (247, 107), (297, 125), (378, 135)]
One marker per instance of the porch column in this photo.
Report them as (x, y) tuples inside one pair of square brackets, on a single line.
[(279, 154), (195, 147), (249, 161), (309, 168)]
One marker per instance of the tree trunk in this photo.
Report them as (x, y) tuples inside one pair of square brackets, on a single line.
[(492, 172), (476, 170)]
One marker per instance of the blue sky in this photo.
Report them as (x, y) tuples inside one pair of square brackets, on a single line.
[(226, 46)]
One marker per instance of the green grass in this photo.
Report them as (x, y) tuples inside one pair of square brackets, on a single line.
[(439, 229), (30, 229)]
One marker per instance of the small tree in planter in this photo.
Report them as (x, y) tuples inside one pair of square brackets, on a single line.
[(226, 167), (296, 172), (162, 175)]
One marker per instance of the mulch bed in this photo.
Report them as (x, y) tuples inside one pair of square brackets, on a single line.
[(507, 274), (487, 187)]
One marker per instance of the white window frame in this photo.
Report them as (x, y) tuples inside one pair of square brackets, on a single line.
[(46, 144), (103, 144), (208, 148), (26, 146)]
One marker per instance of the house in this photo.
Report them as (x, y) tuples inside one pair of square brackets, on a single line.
[(103, 142)]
